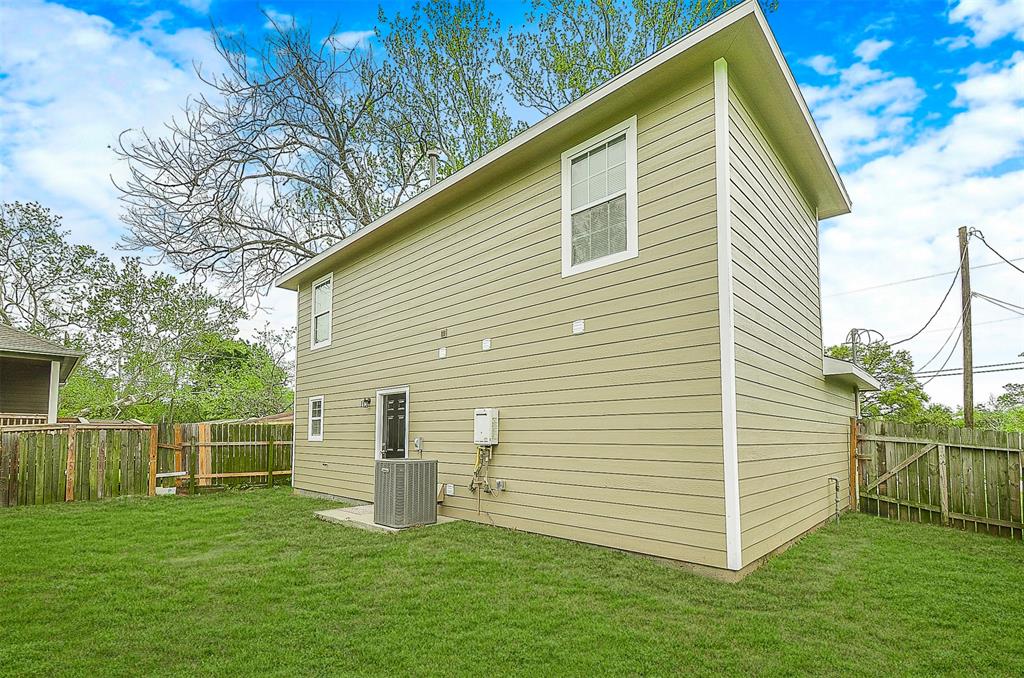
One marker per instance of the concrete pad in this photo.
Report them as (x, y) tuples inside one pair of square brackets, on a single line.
[(362, 518)]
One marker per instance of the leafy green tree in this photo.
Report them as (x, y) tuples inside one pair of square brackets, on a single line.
[(1004, 412), (569, 47), (233, 378), (304, 140), (152, 342), (902, 397), (43, 278), (141, 330), (442, 58)]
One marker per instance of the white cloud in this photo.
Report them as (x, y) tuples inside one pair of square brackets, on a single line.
[(870, 49), (822, 64), (72, 83), (865, 112), (988, 20), (345, 40), (199, 6), (908, 205), (280, 19)]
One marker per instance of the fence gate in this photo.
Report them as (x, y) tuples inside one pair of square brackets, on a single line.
[(966, 478)]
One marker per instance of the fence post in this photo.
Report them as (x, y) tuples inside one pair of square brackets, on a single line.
[(853, 465), (178, 462), (270, 461), (5, 479), (204, 453), (69, 470), (943, 486), (192, 463), (101, 464), (154, 441)]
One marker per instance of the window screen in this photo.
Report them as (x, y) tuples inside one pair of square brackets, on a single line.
[(316, 418), (598, 201), (322, 312)]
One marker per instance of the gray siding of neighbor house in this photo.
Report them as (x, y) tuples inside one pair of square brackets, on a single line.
[(24, 386), (611, 437), (793, 425)]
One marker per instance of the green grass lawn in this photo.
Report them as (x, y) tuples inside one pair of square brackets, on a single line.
[(250, 582)]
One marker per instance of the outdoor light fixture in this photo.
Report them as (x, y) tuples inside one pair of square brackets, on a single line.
[(365, 402)]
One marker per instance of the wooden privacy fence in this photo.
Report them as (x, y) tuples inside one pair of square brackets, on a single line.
[(222, 454), (50, 463), (966, 478)]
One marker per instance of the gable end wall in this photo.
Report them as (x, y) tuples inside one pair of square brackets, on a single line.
[(792, 424), (611, 437)]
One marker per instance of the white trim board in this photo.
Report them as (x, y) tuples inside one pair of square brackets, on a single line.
[(51, 404), (726, 319), (313, 345), (632, 229), (309, 420), (378, 428)]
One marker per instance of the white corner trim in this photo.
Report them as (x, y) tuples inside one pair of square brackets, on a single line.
[(313, 345), (632, 197), (309, 423), (51, 407), (295, 391), (726, 322), (378, 428)]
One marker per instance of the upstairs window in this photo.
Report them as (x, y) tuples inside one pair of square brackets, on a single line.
[(321, 313), (599, 198)]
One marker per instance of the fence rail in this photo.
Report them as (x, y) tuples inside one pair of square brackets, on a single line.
[(51, 463), (966, 478), (19, 419)]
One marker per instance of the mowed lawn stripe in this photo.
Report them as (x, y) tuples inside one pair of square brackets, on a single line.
[(245, 583)]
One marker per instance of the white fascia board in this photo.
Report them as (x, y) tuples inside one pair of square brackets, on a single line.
[(799, 98)]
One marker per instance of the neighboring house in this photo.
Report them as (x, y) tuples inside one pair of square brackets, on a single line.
[(31, 372), (634, 283)]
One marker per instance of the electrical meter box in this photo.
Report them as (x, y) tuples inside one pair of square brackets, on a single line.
[(485, 426)]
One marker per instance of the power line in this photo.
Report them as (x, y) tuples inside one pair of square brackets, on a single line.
[(945, 296), (948, 358), (958, 326), (958, 372), (984, 322), (1005, 305), (917, 279), (981, 236), (1009, 364)]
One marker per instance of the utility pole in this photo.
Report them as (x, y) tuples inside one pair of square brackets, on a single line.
[(965, 301)]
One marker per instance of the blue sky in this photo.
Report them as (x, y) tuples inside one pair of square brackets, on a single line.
[(920, 102)]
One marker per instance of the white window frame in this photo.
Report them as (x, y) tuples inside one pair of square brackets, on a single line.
[(378, 436), (313, 345), (309, 420), (632, 237)]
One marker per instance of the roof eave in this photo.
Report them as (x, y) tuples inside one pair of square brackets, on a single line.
[(834, 199), (850, 374)]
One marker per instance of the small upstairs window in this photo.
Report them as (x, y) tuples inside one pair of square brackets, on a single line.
[(599, 198), (321, 312)]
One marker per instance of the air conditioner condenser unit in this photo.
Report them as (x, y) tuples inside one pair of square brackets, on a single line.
[(405, 492)]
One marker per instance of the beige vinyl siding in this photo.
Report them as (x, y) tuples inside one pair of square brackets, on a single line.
[(611, 437), (792, 424), (24, 386)]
